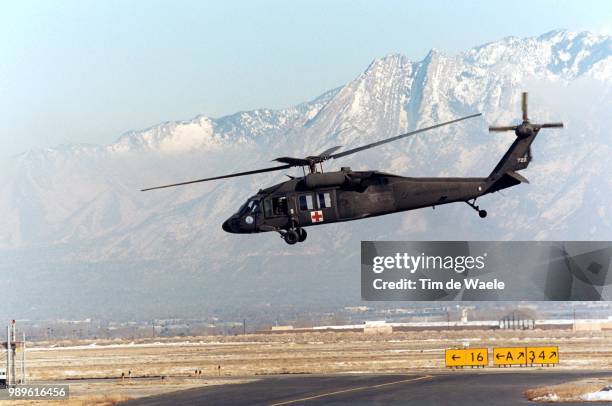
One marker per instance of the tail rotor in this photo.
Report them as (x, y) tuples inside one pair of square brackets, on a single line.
[(526, 128), (518, 155), (524, 106)]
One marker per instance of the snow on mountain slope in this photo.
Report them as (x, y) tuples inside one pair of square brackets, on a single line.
[(79, 206)]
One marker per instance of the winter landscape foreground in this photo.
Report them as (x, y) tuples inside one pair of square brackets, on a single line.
[(152, 366)]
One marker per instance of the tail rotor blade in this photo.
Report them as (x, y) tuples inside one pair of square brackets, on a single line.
[(551, 125), (524, 106), (500, 129)]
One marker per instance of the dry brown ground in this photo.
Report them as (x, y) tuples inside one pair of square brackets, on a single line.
[(260, 354), (325, 352)]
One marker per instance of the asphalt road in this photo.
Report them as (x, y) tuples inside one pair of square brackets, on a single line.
[(453, 388)]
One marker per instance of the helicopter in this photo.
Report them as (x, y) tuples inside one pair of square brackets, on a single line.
[(329, 197)]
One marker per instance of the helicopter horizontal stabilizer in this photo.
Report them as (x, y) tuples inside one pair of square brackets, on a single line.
[(518, 177), (506, 180)]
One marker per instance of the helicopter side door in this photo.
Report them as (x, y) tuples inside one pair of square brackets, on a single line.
[(325, 201), (277, 209), (316, 207), (305, 206)]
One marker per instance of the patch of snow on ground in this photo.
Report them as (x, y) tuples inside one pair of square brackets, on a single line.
[(550, 397), (604, 394)]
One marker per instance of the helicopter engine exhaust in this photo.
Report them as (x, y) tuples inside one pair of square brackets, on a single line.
[(314, 180)]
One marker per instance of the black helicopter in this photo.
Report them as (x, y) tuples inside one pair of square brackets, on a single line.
[(345, 195)]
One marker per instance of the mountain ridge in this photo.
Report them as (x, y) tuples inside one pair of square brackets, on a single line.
[(475, 55)]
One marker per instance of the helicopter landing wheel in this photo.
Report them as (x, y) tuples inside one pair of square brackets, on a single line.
[(302, 234), (472, 204), (291, 237)]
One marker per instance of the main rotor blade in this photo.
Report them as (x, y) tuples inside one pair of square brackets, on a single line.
[(551, 125), (293, 161), (231, 175), (328, 152), (377, 143), (503, 128), (524, 106)]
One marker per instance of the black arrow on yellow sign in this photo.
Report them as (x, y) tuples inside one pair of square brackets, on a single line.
[(454, 357), (509, 356)]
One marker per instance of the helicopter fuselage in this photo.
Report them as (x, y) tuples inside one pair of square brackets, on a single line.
[(323, 198)]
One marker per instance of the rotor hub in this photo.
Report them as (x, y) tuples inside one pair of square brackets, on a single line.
[(524, 130)]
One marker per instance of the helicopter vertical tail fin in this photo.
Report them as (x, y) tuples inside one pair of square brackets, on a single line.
[(516, 158)]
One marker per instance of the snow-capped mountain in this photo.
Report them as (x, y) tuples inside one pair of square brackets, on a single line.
[(73, 221)]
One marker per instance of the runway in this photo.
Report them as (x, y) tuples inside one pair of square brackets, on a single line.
[(447, 388)]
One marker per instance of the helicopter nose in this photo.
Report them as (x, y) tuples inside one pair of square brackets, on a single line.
[(226, 226), (230, 225)]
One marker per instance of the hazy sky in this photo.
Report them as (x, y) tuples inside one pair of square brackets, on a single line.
[(87, 71)]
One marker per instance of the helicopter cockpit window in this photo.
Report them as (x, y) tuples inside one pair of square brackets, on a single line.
[(276, 206), (249, 207), (306, 202), (324, 200)]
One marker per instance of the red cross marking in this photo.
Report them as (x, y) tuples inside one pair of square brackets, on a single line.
[(316, 216)]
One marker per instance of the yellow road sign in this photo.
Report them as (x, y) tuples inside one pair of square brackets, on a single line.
[(542, 355), (510, 356), (478, 357)]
